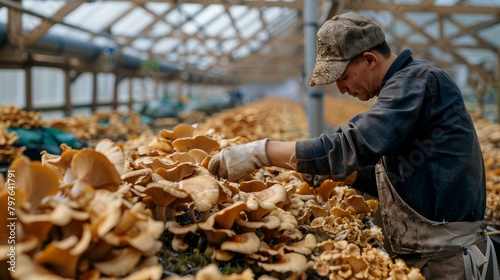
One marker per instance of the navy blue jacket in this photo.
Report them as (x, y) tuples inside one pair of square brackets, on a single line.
[(420, 125)]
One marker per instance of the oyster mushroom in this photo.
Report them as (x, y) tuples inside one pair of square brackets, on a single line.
[(27, 268), (120, 262), (163, 196), (56, 256), (95, 169), (258, 209), (252, 186), (246, 243), (359, 205), (105, 212), (222, 255), (226, 217), (113, 153), (201, 187), (286, 262), (199, 156), (152, 272), (268, 222), (212, 272), (179, 131), (179, 233), (138, 177), (61, 215), (304, 247), (177, 173), (201, 142), (33, 181)]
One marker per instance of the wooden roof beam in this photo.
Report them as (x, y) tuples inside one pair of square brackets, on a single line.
[(41, 29), (375, 5)]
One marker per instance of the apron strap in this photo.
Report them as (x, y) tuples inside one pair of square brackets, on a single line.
[(474, 259)]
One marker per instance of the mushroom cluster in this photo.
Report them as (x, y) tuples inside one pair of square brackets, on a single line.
[(112, 125), (74, 221), (13, 116), (147, 208), (266, 222), (489, 137), (260, 119), (8, 152)]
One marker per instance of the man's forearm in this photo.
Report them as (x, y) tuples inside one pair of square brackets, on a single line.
[(282, 154)]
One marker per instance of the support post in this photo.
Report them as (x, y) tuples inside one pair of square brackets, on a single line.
[(497, 86), (28, 91), (94, 92), (68, 106), (314, 94)]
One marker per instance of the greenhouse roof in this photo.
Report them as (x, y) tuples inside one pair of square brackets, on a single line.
[(244, 41)]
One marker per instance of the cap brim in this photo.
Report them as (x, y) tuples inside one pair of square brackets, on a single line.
[(327, 72)]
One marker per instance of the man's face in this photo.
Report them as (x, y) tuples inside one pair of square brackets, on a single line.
[(358, 80)]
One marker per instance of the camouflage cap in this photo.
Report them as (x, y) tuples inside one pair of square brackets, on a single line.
[(340, 39)]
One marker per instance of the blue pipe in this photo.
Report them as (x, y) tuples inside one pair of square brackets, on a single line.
[(3, 35), (58, 45)]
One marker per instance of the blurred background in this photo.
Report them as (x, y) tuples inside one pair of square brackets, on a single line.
[(160, 58)]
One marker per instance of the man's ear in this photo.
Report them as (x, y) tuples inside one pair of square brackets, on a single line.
[(371, 58)]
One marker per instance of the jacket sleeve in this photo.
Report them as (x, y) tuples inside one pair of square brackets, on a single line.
[(366, 181), (368, 136)]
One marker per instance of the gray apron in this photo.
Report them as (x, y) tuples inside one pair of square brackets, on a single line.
[(441, 250)]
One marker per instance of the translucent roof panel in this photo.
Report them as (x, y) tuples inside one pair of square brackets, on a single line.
[(133, 23), (247, 35), (96, 17)]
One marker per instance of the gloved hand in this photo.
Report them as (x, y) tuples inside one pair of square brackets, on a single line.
[(236, 162)]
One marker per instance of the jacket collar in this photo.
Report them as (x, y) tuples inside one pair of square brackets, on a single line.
[(403, 59)]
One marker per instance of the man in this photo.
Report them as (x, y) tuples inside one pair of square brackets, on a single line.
[(415, 149)]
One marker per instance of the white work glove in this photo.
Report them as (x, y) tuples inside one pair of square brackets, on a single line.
[(236, 162)]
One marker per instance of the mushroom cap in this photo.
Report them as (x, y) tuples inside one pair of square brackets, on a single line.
[(304, 247), (223, 255), (198, 155), (138, 177), (120, 263), (176, 228), (105, 212), (162, 194), (246, 243), (33, 181), (358, 203), (318, 211), (373, 204), (27, 268), (258, 209), (181, 130), (62, 161), (226, 217), (274, 194), (198, 142), (56, 255), (252, 186), (113, 153), (61, 215), (182, 157), (203, 189), (151, 272), (288, 221), (326, 190), (305, 189), (290, 262), (178, 172), (268, 222), (95, 168), (144, 234)]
